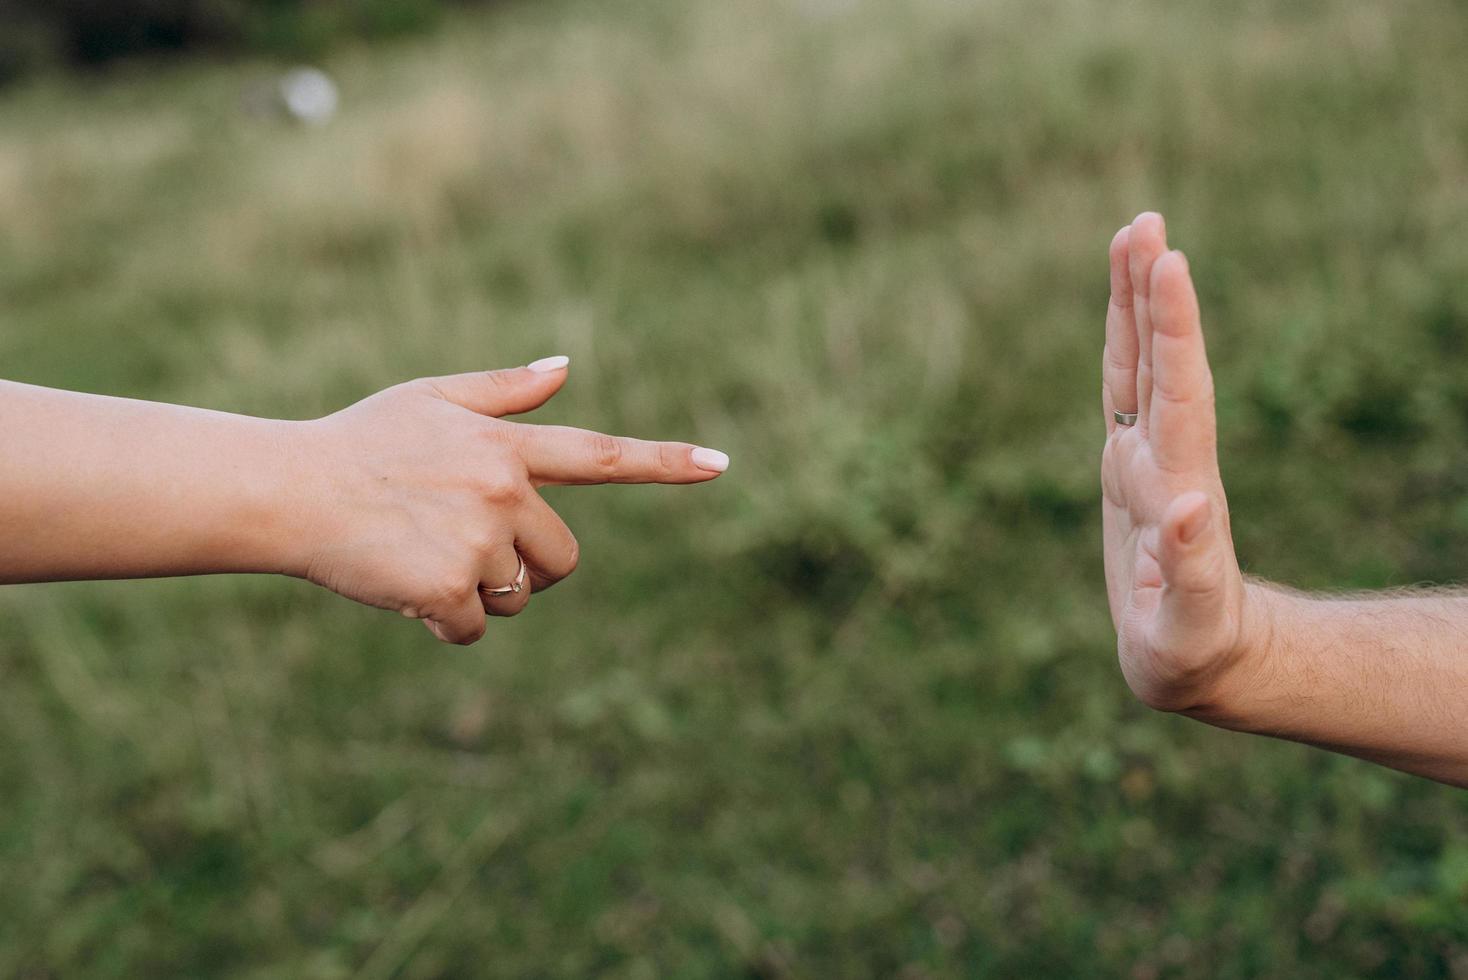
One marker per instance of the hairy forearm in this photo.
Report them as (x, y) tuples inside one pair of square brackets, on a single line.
[(99, 487), (1382, 676)]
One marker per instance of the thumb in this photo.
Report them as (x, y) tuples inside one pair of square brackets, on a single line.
[(507, 392), (1193, 560)]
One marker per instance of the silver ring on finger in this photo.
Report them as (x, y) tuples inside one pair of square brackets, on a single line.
[(1125, 418), (514, 588)]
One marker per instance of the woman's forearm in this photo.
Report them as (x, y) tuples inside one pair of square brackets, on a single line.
[(1384, 678), (100, 487), (421, 498)]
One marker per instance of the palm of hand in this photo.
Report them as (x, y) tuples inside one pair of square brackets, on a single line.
[(1176, 594)]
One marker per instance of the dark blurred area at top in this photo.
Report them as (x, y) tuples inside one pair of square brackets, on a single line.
[(90, 34)]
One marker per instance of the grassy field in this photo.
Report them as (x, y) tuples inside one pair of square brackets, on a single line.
[(853, 710)]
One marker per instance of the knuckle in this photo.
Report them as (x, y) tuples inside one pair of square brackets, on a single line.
[(606, 453), (441, 589), (1181, 392), (668, 458), (485, 542), (430, 387), (498, 431), (1115, 364), (502, 484), (1170, 393), (501, 437), (499, 380), (566, 564)]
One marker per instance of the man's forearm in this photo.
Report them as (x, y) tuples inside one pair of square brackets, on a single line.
[(1381, 677), (98, 487)]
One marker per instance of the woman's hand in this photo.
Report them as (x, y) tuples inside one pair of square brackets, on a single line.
[(425, 497), (1184, 618), (419, 499)]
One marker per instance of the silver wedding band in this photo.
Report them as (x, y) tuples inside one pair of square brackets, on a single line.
[(1125, 418), (513, 588)]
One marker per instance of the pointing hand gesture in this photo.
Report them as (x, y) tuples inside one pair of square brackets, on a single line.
[(429, 506)]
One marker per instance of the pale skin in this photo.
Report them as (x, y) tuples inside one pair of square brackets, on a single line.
[(417, 499), (1380, 676)]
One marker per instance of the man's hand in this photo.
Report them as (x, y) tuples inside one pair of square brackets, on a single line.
[(1184, 619), (425, 498)]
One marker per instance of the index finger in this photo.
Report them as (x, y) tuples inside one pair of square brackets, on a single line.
[(562, 455)]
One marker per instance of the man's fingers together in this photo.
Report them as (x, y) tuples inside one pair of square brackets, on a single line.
[(563, 455), (1147, 241), (1119, 364)]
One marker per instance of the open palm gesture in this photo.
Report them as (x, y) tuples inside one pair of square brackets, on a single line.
[(1177, 597)]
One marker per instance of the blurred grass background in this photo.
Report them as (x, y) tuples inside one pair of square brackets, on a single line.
[(43, 35), (853, 709)]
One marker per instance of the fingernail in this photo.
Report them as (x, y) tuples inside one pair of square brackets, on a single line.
[(709, 459), (548, 364)]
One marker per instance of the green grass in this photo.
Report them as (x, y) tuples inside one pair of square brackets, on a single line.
[(853, 710)]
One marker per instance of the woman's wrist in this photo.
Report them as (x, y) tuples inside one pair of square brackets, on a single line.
[(282, 490)]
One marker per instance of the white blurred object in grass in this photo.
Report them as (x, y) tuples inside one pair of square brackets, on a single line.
[(309, 95)]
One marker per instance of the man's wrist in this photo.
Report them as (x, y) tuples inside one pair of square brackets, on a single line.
[(1255, 670)]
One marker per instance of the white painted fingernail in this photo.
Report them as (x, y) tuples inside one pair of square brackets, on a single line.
[(709, 459), (548, 364)]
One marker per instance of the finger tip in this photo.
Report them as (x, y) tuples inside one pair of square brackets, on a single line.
[(709, 460), (555, 364), (1148, 237), (1146, 243), (1171, 280), (1149, 221), (1188, 515)]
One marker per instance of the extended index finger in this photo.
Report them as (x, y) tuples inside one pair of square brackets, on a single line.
[(558, 454)]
